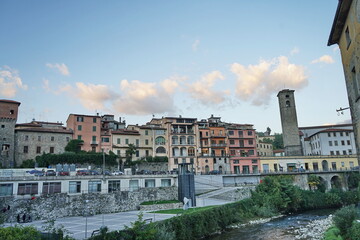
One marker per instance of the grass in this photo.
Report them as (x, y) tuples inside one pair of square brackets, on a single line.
[(181, 211), (159, 202)]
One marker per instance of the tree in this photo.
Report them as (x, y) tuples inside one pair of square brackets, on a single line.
[(129, 153), (74, 146), (29, 163), (278, 141)]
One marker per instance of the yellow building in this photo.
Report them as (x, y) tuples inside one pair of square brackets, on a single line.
[(345, 32), (308, 163)]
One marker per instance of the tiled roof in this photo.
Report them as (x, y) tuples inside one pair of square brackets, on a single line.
[(9, 101), (49, 130)]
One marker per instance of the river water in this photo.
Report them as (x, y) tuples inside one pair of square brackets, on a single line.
[(283, 228)]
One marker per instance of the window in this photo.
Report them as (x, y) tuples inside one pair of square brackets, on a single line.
[(250, 133), (356, 83), (160, 141), (146, 153), (79, 127), (27, 188), (251, 152), (232, 152), (337, 152), (240, 133), (165, 182), (331, 152), (126, 141), (79, 137), (251, 142), (232, 142), (149, 183), (94, 186), (330, 143), (67, 139), (94, 120), (134, 185), (94, 138), (114, 186), (348, 38), (231, 133), (118, 141), (137, 153), (344, 152), (336, 143), (74, 187), (254, 161), (52, 149), (118, 152), (12, 112), (342, 142), (191, 151), (315, 166), (341, 134), (39, 138), (26, 149), (80, 119), (160, 150), (333, 165), (176, 161), (137, 142), (334, 134), (287, 103), (146, 132), (347, 133), (2, 126), (342, 164), (146, 141), (26, 138), (105, 139), (348, 142), (38, 149), (6, 189), (329, 135), (94, 128), (51, 187)]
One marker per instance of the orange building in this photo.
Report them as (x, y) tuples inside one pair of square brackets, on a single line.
[(86, 128)]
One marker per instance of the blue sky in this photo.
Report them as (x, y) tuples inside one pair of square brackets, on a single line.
[(135, 59)]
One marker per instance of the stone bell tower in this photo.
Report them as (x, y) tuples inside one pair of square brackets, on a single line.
[(290, 129)]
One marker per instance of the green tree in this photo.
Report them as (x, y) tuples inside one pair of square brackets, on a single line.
[(74, 146), (139, 230), (20, 233), (29, 163), (278, 141), (129, 153), (344, 218)]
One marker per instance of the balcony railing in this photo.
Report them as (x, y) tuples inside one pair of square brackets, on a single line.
[(218, 145)]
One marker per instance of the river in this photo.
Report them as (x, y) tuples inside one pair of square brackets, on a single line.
[(298, 226)]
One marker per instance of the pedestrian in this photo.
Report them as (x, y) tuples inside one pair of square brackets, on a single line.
[(24, 217), (8, 208), (29, 218), (18, 218)]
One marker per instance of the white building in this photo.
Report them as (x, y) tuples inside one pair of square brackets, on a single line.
[(328, 140)]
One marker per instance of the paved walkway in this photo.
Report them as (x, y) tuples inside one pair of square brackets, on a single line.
[(82, 227)]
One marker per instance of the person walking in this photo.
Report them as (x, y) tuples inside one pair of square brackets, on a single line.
[(24, 217)]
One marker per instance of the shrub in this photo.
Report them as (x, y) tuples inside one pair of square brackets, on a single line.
[(332, 233), (354, 232), (344, 218), (19, 233)]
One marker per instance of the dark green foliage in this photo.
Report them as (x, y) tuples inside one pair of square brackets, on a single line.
[(354, 232), (353, 180), (30, 163), (278, 141), (332, 233), (79, 158), (19, 233), (344, 218), (74, 145)]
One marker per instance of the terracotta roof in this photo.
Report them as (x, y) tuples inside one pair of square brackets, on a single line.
[(327, 126), (125, 132), (49, 130), (9, 101)]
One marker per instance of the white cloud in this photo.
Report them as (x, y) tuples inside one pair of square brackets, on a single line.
[(203, 92), (195, 45), (10, 82), (46, 85), (142, 98), (257, 83), (324, 59), (294, 51), (62, 68)]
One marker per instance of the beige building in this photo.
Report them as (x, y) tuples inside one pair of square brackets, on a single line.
[(263, 148), (345, 32), (120, 142), (35, 138), (307, 163)]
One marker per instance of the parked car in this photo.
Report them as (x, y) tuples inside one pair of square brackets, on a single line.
[(82, 172), (144, 172), (36, 172), (50, 172), (107, 173), (64, 173), (214, 172), (115, 173), (94, 172)]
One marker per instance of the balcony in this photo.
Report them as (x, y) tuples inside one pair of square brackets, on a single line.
[(94, 142), (218, 145)]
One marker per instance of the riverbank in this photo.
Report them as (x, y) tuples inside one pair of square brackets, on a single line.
[(314, 230)]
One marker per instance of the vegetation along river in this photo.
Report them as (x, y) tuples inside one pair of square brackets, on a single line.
[(307, 225)]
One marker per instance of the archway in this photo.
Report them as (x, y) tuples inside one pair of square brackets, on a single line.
[(336, 182), (325, 165)]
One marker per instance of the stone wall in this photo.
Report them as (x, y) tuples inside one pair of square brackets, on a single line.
[(63, 205)]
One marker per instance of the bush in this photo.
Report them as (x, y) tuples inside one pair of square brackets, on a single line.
[(344, 218), (332, 233), (19, 233), (354, 232)]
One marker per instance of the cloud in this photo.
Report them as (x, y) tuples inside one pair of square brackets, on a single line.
[(324, 59), (195, 45), (202, 91), (10, 82), (62, 68), (46, 85), (142, 98), (91, 96), (294, 51), (257, 83)]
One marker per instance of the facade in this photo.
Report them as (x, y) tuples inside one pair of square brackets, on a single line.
[(308, 163), (345, 32), (121, 140), (35, 138), (328, 140), (8, 118), (86, 128), (263, 148), (289, 123)]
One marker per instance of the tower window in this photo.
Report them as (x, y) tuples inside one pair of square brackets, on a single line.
[(287, 103), (12, 112)]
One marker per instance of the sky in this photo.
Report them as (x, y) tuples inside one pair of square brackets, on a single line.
[(139, 59)]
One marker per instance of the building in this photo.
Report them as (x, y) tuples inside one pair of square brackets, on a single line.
[(35, 138), (8, 118), (264, 148), (120, 142), (345, 32), (328, 140), (289, 123), (86, 128)]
